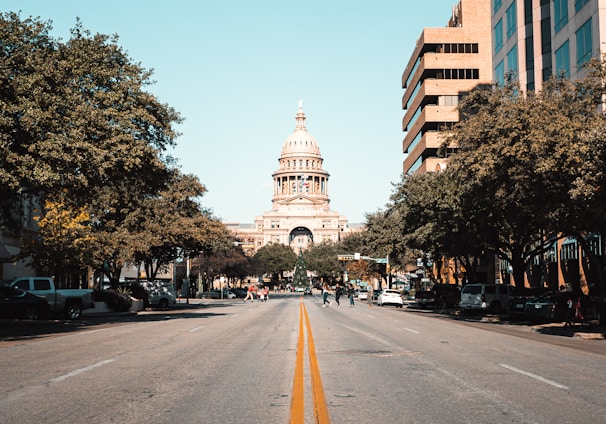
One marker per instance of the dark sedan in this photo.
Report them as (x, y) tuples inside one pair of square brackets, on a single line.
[(17, 303), (553, 307), (517, 302)]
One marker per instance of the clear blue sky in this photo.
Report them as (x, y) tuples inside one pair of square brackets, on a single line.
[(237, 69)]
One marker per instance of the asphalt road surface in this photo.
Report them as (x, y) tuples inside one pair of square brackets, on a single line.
[(291, 360)]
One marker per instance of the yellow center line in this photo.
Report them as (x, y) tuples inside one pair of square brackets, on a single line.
[(297, 408), (298, 398)]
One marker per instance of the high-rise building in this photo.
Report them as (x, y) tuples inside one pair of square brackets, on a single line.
[(300, 213), (446, 63), (535, 39)]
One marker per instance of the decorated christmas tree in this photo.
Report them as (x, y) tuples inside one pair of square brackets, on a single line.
[(300, 277)]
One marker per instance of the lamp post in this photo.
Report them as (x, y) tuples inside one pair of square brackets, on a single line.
[(187, 280)]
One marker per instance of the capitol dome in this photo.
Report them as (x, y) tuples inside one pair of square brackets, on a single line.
[(300, 143)]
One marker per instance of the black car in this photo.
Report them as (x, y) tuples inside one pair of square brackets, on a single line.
[(553, 307), (516, 303), (17, 303)]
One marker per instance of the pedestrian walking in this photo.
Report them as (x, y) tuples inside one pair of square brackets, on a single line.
[(325, 294), (351, 293), (338, 295), (266, 293), (370, 288), (250, 293)]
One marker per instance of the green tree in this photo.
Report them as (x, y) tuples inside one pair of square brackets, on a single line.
[(322, 259), (519, 156), (274, 259), (300, 276), (63, 241), (173, 222), (433, 221)]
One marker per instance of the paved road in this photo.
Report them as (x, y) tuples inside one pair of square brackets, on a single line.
[(290, 360)]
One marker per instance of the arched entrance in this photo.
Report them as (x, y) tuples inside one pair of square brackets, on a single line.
[(300, 238)]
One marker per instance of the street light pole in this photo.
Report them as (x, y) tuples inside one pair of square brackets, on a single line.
[(187, 281)]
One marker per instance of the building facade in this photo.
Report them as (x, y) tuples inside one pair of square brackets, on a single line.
[(300, 213), (535, 39), (446, 63)]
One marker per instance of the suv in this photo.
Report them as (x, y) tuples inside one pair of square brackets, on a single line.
[(485, 297)]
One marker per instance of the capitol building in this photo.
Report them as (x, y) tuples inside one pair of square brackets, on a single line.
[(300, 212)]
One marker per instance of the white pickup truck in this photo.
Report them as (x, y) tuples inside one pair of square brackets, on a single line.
[(70, 302)]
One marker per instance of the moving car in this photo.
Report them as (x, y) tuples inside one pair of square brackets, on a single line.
[(390, 297), (17, 303), (363, 295)]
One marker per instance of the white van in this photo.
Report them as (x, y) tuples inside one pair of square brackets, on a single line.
[(485, 297)]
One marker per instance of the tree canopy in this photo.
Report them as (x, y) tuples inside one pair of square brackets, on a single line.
[(82, 137)]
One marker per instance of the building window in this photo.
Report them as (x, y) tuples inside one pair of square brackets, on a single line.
[(584, 50), (562, 58), (448, 100), (569, 250), (457, 74), (497, 5), (511, 20), (578, 5), (499, 74), (551, 255), (498, 36), (512, 62), (560, 14)]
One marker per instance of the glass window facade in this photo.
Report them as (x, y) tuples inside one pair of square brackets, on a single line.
[(560, 14), (578, 4), (512, 62), (498, 36), (584, 49), (511, 20), (499, 73), (562, 59)]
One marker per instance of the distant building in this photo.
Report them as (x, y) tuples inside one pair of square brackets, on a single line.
[(300, 214)]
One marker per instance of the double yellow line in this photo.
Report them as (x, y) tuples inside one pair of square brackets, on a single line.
[(297, 409)]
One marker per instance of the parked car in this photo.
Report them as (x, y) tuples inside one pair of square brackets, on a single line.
[(69, 302), (440, 295), (227, 294), (485, 297), (17, 303), (516, 303), (209, 295), (161, 294), (239, 292), (155, 294), (390, 297), (363, 295), (553, 306)]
